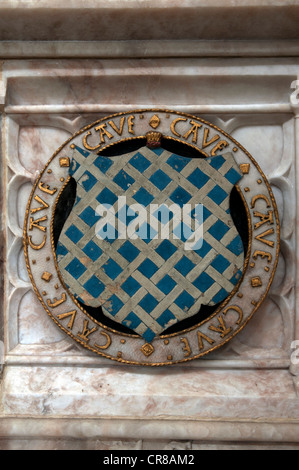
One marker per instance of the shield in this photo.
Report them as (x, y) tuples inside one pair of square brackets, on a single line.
[(128, 245)]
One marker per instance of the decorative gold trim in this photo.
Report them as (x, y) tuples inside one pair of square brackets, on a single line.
[(255, 303)]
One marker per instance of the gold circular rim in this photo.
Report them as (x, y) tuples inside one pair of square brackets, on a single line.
[(246, 261)]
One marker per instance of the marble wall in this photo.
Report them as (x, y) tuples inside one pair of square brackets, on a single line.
[(55, 395)]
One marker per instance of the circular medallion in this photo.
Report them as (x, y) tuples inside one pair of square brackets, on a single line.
[(151, 237)]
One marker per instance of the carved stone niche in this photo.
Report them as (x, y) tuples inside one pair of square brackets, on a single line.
[(52, 391)]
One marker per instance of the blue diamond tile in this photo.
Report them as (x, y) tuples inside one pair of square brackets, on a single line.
[(113, 305), (166, 249), (184, 301), (218, 229), (203, 282), (131, 321), (217, 194), (92, 250), (148, 303), (178, 163), (143, 197), (220, 263), (129, 251), (180, 196), (233, 176), (131, 286), (148, 268), (74, 234), (165, 318), (89, 216), (75, 268), (198, 178), (184, 266), (111, 268), (166, 284), (94, 287), (216, 162), (160, 179), (106, 197), (236, 246), (148, 335), (123, 180), (103, 163), (139, 162), (87, 180), (220, 296)]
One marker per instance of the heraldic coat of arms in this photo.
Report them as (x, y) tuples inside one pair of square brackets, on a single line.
[(150, 238)]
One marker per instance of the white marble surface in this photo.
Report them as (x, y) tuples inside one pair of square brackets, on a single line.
[(243, 393), (126, 392)]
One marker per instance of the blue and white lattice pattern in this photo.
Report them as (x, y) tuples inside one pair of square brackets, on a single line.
[(150, 284)]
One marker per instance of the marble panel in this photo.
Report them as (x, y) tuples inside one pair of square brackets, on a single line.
[(245, 391)]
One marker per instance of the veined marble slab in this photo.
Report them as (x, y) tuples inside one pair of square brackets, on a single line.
[(148, 19), (47, 381)]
